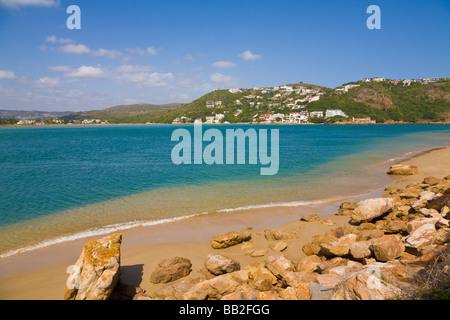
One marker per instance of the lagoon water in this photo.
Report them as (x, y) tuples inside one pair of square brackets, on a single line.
[(62, 183)]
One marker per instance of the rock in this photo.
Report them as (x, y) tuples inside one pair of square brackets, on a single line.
[(366, 226), (363, 286), (260, 275), (410, 193), (309, 263), (218, 264), (340, 247), (328, 222), (329, 279), (367, 210), (431, 180), (402, 169), (311, 248), (338, 232), (229, 239), (442, 236), (394, 226), (314, 246), (420, 237), (426, 195), (325, 266), (345, 270), (217, 287), (279, 265), (310, 218), (429, 213), (346, 208), (170, 270), (286, 234), (439, 202), (257, 253), (176, 290), (241, 295), (320, 292), (360, 250), (96, 272), (300, 281), (387, 247), (298, 293), (266, 295), (279, 246), (445, 212), (414, 224)]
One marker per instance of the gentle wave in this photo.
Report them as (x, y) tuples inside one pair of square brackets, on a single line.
[(271, 205), (97, 232), (133, 224)]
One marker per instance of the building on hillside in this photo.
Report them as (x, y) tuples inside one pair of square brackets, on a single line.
[(316, 114), (210, 104), (330, 113)]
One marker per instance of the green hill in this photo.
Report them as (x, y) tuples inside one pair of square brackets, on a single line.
[(117, 113), (385, 101)]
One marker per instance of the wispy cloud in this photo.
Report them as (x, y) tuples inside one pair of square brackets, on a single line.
[(26, 3), (78, 49), (6, 74), (81, 72), (248, 56), (107, 53), (54, 39), (223, 80), (224, 64)]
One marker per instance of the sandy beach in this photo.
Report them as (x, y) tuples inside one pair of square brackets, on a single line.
[(41, 274)]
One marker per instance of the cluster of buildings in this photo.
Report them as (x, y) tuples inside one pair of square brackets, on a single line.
[(405, 81)]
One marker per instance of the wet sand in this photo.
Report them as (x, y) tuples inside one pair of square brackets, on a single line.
[(41, 274)]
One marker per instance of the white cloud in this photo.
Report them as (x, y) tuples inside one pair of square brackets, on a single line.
[(6, 74), (135, 50), (248, 55), (223, 80), (151, 51), (23, 3), (47, 82), (54, 39), (85, 72), (59, 68), (107, 53), (75, 49), (224, 64)]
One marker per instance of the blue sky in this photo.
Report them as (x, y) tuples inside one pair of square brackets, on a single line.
[(146, 51)]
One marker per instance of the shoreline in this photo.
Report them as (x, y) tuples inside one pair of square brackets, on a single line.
[(41, 273), (237, 123)]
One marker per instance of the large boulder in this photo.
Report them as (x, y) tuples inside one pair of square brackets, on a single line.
[(402, 169), (367, 210), (346, 208), (217, 287), (420, 236), (340, 247), (229, 239), (171, 269), (360, 250), (279, 265), (96, 272), (387, 247), (364, 286), (218, 264)]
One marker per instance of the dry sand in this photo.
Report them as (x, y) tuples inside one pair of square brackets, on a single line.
[(41, 274)]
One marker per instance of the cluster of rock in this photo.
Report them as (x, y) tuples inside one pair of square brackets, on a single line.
[(387, 248)]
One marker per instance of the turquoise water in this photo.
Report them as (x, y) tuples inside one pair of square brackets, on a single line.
[(57, 181)]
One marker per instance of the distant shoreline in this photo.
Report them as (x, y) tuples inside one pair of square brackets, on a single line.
[(237, 123)]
